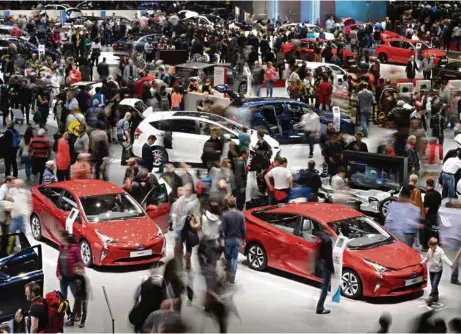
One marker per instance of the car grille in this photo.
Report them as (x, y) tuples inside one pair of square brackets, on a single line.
[(139, 259), (410, 287)]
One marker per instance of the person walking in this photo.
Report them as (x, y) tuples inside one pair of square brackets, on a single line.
[(81, 169), (435, 258), (427, 66), (270, 78), (24, 151), (310, 122), (82, 143), (22, 207), (411, 69), (40, 151), (282, 179), (12, 141), (103, 70), (63, 159), (432, 203), (124, 137), (233, 230), (68, 258), (240, 178), (324, 91), (257, 78), (366, 100), (99, 143), (325, 256), (81, 294), (25, 100)]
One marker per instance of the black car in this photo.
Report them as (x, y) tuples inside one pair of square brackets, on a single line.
[(18, 266), (25, 48), (451, 71)]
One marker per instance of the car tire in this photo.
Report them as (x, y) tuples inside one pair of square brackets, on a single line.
[(243, 87), (160, 156), (382, 57), (351, 284), (86, 253), (36, 227), (256, 256), (384, 208)]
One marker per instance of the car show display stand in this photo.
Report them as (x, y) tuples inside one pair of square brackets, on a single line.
[(338, 252)]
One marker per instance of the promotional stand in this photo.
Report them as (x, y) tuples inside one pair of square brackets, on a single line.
[(338, 252), (70, 221)]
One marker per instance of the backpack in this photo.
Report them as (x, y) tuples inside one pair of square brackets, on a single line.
[(164, 103), (16, 138), (57, 307)]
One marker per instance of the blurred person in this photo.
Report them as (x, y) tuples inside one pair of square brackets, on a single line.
[(7, 188), (310, 122), (325, 256), (81, 169), (233, 230), (63, 159), (194, 86), (212, 149), (413, 159), (25, 100), (190, 238), (18, 324), (222, 181), (438, 126), (244, 139), (205, 102), (358, 145), (11, 140), (435, 258), (68, 258), (427, 66), (366, 100), (82, 142), (403, 218), (130, 72), (338, 181), (333, 153), (99, 144), (40, 151), (432, 203), (324, 93), (385, 322), (257, 78), (270, 78), (455, 325), (103, 69), (282, 181), (207, 87), (241, 178), (95, 113), (449, 168), (411, 69), (81, 293), (24, 151), (176, 99), (310, 178), (124, 137), (22, 207), (38, 312)]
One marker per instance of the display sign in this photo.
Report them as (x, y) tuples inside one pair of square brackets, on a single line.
[(418, 46), (103, 14), (405, 87), (338, 252), (423, 85), (220, 78), (336, 118), (41, 51), (455, 84), (70, 221), (249, 79)]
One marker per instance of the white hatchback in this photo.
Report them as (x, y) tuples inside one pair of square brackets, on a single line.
[(189, 132)]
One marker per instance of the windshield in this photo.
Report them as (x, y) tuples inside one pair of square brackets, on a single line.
[(104, 208), (362, 232), (140, 106)]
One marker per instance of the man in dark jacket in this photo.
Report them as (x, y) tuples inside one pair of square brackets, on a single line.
[(333, 153), (258, 78), (325, 256), (240, 178), (411, 69), (11, 144), (212, 150), (147, 156), (25, 99), (264, 48), (103, 70), (310, 178)]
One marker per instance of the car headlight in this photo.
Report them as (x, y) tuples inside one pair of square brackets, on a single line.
[(105, 239), (159, 233), (379, 269)]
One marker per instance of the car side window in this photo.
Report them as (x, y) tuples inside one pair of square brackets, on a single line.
[(157, 196), (67, 202), (296, 112), (288, 223), (52, 194), (406, 45), (395, 44), (310, 230), (279, 109), (183, 126), (205, 128), (225, 131)]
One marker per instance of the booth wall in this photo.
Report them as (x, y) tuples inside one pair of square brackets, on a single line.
[(361, 11)]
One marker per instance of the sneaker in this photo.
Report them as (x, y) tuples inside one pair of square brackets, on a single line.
[(69, 323), (455, 282), (82, 324), (323, 312), (311, 156), (429, 301)]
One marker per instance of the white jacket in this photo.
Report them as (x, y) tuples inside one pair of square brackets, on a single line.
[(22, 203), (310, 122)]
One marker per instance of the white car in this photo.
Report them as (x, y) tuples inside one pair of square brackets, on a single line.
[(189, 132), (337, 71), (313, 31)]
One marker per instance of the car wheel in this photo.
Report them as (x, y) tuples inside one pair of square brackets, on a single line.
[(384, 208), (243, 87), (256, 256), (36, 227), (160, 156), (382, 58), (86, 253), (351, 285)]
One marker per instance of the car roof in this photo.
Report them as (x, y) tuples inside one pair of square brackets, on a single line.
[(320, 212), (90, 187), (267, 100), (403, 39), (196, 65), (161, 115), (129, 102)]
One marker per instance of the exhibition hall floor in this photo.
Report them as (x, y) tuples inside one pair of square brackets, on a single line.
[(267, 301)]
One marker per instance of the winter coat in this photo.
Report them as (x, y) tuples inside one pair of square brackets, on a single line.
[(183, 206), (73, 257)]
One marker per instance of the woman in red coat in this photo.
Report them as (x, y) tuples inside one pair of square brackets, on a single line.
[(324, 91), (75, 75), (63, 157)]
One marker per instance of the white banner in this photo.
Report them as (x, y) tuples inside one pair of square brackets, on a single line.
[(338, 252)]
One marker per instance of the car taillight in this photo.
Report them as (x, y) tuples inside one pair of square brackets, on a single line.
[(137, 133)]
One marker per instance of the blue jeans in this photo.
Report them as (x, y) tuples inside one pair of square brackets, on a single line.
[(409, 239), (364, 117), (18, 224), (435, 278), (455, 273), (257, 90), (66, 283), (231, 253), (27, 165), (325, 285), (270, 88), (448, 180)]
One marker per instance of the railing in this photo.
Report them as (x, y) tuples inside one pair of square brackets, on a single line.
[(109, 308)]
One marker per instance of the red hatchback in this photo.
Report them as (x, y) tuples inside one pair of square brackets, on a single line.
[(111, 227), (306, 50), (399, 50), (384, 35), (375, 263)]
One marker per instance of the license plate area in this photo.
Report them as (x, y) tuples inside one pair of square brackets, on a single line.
[(141, 253), (413, 281)]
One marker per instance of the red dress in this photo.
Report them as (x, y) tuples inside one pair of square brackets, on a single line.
[(324, 91)]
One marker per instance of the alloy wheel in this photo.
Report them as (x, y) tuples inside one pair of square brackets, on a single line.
[(256, 257), (35, 227), (350, 284), (158, 157), (385, 208), (85, 252)]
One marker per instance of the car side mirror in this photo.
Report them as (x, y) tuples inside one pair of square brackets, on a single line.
[(151, 208), (226, 137)]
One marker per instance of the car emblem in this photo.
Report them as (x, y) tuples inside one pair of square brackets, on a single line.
[(140, 247), (413, 274)]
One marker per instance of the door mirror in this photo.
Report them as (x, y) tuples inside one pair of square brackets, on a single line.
[(151, 208), (226, 137)]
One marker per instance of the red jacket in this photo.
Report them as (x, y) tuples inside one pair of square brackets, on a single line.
[(73, 257), (63, 154), (324, 91)]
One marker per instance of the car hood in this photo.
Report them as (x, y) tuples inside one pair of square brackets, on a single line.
[(274, 144), (390, 34), (434, 52), (395, 256), (132, 231)]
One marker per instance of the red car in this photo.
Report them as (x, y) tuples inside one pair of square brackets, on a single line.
[(374, 264), (111, 227), (306, 50), (384, 35), (399, 50)]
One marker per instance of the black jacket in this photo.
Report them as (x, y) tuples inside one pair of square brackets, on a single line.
[(310, 178), (103, 69), (25, 96), (411, 69), (212, 150), (325, 252), (147, 157)]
